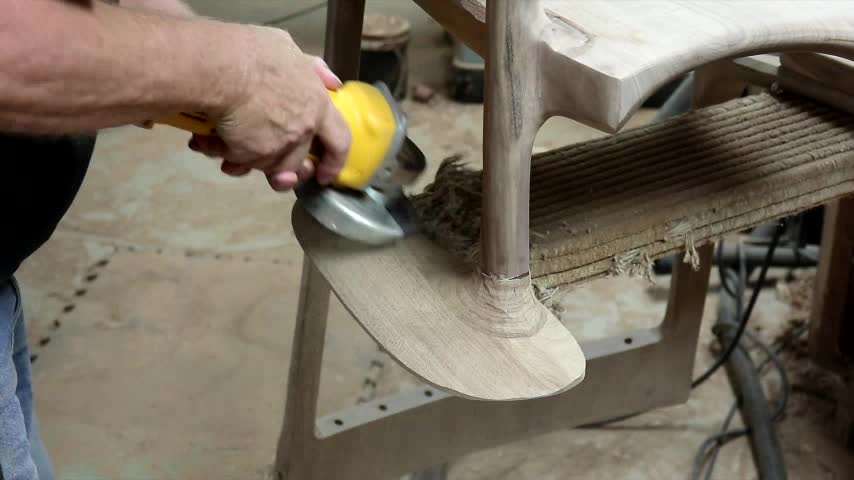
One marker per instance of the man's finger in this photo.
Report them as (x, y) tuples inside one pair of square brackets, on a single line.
[(235, 169), (208, 145), (306, 170), (282, 181), (291, 160), (335, 136), (330, 80)]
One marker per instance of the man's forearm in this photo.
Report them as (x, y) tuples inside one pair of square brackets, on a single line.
[(72, 66)]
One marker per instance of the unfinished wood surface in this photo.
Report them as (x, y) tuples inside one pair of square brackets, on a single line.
[(512, 116), (823, 78), (833, 72), (304, 376), (714, 84), (790, 80), (612, 204), (424, 427), (600, 59), (442, 321), (831, 327)]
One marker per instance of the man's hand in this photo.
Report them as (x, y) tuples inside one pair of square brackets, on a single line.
[(281, 107), (103, 66), (170, 7), (285, 167)]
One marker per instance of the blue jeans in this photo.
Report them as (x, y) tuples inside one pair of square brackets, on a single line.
[(22, 452)]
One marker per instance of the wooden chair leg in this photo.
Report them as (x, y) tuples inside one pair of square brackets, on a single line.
[(681, 325), (712, 84), (512, 116), (500, 297), (830, 329), (344, 37), (295, 456)]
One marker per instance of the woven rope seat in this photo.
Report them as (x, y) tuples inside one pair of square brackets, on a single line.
[(611, 205)]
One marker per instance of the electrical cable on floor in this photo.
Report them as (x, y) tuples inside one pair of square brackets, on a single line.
[(605, 423), (774, 358), (747, 312), (724, 285), (715, 442), (708, 451)]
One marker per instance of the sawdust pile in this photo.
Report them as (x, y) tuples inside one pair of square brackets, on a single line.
[(810, 383)]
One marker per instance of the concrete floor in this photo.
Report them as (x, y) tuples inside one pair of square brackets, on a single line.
[(162, 309)]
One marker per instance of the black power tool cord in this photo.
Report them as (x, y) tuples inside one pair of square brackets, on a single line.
[(745, 314), (707, 453)]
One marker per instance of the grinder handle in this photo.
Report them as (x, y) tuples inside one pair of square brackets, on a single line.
[(371, 114), (201, 124)]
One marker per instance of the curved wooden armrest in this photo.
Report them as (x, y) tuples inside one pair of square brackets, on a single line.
[(598, 60)]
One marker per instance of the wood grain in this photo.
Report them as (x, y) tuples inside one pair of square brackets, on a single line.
[(304, 375), (417, 430), (512, 116), (600, 59), (793, 81), (442, 321), (832, 72), (462, 18)]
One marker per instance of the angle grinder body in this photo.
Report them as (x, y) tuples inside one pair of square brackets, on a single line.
[(365, 202)]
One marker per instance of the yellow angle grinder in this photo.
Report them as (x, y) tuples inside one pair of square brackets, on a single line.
[(365, 201)]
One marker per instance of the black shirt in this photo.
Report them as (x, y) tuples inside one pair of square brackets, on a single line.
[(39, 177)]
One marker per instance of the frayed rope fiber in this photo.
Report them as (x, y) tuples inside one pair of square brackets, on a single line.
[(449, 209), (610, 206)]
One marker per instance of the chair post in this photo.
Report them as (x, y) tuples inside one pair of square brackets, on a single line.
[(296, 456), (512, 117), (295, 452)]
